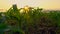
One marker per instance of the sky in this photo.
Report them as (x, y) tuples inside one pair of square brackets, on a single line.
[(46, 4)]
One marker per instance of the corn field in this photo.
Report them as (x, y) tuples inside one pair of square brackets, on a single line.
[(29, 21)]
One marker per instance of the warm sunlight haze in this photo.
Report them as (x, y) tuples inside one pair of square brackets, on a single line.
[(46, 4)]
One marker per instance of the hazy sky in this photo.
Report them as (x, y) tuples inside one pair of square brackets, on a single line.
[(46, 4)]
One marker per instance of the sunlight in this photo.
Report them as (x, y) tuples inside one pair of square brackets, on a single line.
[(46, 4)]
